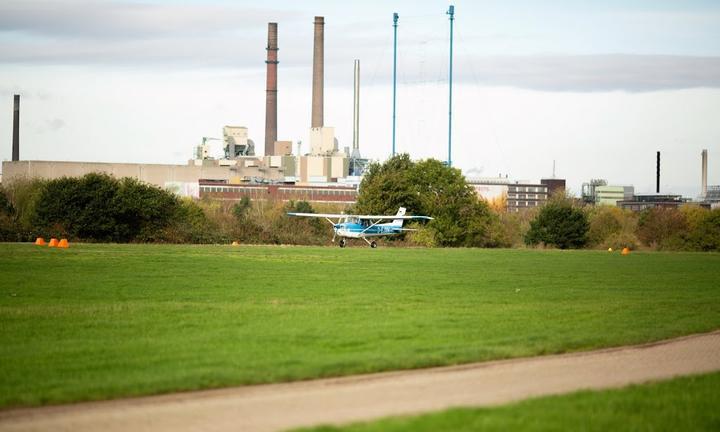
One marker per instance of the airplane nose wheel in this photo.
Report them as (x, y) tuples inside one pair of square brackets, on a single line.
[(373, 244), (342, 243)]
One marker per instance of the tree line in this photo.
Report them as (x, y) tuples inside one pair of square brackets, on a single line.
[(100, 208)]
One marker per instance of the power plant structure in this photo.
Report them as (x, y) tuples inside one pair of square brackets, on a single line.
[(271, 90), (323, 166), (318, 73), (16, 129), (657, 181), (703, 176), (710, 194)]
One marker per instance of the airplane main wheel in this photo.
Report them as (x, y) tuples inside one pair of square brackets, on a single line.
[(342, 243), (373, 244)]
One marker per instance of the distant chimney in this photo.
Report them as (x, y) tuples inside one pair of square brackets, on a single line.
[(704, 174), (356, 112), (271, 90), (16, 129), (657, 182), (318, 74)]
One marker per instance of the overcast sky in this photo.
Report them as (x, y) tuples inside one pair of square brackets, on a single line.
[(596, 86)]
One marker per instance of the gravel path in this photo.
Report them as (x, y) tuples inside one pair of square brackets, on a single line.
[(280, 406)]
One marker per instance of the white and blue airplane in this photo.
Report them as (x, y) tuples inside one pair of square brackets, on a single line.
[(364, 226)]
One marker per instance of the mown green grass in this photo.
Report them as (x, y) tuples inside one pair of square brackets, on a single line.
[(682, 404), (104, 321)]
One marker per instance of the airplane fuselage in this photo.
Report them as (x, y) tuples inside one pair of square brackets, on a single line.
[(360, 230)]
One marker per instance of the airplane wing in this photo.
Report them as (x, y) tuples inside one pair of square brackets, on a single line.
[(382, 217), (371, 217), (320, 215)]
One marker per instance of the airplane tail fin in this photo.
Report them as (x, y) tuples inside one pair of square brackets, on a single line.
[(401, 212)]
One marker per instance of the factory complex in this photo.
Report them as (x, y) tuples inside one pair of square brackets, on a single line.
[(325, 173)]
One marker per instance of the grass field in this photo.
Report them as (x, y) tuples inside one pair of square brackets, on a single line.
[(105, 321), (682, 404)]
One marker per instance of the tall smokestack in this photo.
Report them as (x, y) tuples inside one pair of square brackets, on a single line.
[(271, 92), (704, 174), (657, 182), (356, 112), (318, 74), (16, 129)]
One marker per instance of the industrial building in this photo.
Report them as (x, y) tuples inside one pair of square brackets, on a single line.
[(554, 185), (712, 196), (336, 194), (526, 195), (598, 192), (519, 195), (610, 195), (646, 201)]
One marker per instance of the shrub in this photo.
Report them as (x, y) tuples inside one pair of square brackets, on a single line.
[(612, 227), (559, 224), (662, 228), (240, 209), (189, 224), (23, 195), (703, 230), (97, 207), (428, 187), (78, 207), (293, 230)]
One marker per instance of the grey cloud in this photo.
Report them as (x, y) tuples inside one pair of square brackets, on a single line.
[(115, 20), (205, 36), (632, 73), (596, 73)]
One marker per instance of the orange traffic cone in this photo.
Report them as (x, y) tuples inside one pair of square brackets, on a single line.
[(40, 241), (625, 251), (53, 242), (63, 244)]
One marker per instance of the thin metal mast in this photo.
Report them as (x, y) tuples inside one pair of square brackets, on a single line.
[(395, 24), (451, 12)]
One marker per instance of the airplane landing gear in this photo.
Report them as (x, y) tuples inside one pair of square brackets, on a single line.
[(373, 244), (342, 243)]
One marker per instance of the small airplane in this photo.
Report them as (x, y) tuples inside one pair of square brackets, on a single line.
[(364, 226)]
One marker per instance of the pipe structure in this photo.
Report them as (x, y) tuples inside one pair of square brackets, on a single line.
[(271, 90), (318, 73), (451, 12), (657, 181), (356, 111), (16, 129), (704, 174), (395, 25)]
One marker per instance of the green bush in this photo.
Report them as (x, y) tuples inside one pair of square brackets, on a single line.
[(294, 230), (8, 228), (142, 211), (23, 195), (98, 207), (612, 227), (559, 224), (703, 229), (428, 187), (240, 209), (189, 224), (662, 228)]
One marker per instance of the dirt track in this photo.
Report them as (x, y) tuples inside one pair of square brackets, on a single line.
[(281, 406)]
